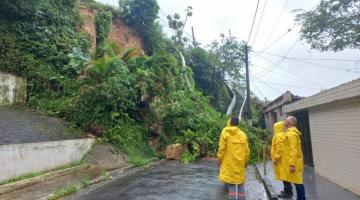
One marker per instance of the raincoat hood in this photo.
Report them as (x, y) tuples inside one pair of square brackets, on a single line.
[(279, 127), (232, 130)]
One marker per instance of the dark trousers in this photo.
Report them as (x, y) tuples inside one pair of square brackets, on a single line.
[(300, 190)]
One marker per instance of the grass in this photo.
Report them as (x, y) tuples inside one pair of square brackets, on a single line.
[(86, 182), (138, 160), (34, 174), (138, 157), (62, 192), (73, 188)]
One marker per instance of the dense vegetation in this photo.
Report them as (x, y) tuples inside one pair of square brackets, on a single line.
[(128, 99), (332, 26)]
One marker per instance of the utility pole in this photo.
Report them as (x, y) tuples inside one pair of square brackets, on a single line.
[(193, 36), (248, 96)]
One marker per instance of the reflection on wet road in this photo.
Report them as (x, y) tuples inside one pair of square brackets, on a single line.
[(173, 181)]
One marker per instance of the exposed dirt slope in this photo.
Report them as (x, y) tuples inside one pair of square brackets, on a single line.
[(121, 34), (89, 25)]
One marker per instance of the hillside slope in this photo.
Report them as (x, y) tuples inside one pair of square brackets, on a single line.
[(124, 36)]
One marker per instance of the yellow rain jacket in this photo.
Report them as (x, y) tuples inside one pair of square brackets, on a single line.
[(233, 155), (292, 155), (277, 147)]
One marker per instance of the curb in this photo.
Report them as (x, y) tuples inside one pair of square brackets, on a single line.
[(268, 187), (116, 175), (11, 187)]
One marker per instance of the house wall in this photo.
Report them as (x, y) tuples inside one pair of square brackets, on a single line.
[(335, 136), (20, 159), (272, 117)]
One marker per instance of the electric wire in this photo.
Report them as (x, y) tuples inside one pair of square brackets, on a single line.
[(259, 24), (276, 23), (253, 21)]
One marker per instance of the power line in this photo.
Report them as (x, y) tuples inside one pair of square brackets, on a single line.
[(298, 58), (258, 27), (275, 65), (286, 75), (289, 73), (276, 23), (289, 85), (280, 61), (258, 90), (315, 64), (281, 37), (269, 86), (253, 22), (161, 12)]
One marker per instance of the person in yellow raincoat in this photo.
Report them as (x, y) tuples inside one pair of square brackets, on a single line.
[(233, 155), (292, 161), (277, 147)]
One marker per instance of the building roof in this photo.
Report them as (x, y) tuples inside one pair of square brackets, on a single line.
[(283, 99), (341, 92)]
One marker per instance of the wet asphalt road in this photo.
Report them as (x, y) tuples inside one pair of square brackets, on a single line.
[(171, 181)]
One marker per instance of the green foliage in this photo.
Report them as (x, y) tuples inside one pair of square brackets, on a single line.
[(132, 140), (331, 26), (106, 92), (229, 55), (103, 21), (19, 9), (141, 16), (194, 123), (257, 106), (208, 78), (258, 139), (62, 192), (188, 158), (178, 25), (38, 42)]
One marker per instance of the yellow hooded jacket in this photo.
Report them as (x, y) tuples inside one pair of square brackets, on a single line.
[(233, 155), (292, 155), (277, 148)]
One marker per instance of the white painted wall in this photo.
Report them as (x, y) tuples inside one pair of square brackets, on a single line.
[(19, 159), (12, 90)]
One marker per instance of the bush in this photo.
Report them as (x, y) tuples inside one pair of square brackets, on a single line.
[(36, 40), (132, 139), (106, 92), (103, 21), (258, 139), (141, 15)]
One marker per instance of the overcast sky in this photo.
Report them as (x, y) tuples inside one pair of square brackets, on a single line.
[(301, 77)]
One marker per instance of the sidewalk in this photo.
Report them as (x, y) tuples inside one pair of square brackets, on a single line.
[(316, 187)]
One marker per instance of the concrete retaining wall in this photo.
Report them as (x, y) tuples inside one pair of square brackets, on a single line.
[(12, 90), (20, 159)]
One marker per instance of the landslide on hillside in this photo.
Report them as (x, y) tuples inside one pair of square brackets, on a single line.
[(124, 36)]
